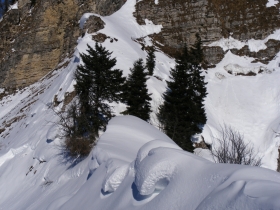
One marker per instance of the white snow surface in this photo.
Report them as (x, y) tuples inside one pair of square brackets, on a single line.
[(156, 174), (134, 165)]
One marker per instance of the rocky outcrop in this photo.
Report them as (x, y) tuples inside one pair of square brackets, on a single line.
[(212, 19), (264, 56), (34, 40), (93, 24)]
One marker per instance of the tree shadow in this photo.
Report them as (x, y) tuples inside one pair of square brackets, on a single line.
[(90, 173), (65, 157)]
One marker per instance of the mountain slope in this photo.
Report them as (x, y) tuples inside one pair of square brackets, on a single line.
[(36, 175)]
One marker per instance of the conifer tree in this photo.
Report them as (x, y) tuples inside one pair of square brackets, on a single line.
[(150, 61), (182, 112), (197, 82), (136, 95), (96, 85)]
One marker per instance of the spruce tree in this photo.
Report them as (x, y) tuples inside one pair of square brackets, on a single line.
[(150, 61), (182, 114), (197, 82), (96, 85), (136, 95)]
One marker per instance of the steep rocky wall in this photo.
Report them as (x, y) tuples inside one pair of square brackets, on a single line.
[(33, 42), (212, 19)]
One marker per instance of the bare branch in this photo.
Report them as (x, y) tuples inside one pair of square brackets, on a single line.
[(233, 150)]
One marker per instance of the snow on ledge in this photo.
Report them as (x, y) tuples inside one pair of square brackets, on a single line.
[(228, 44), (14, 6), (253, 44), (150, 27), (236, 69), (272, 3)]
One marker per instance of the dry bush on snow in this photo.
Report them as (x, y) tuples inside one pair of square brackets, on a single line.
[(232, 149)]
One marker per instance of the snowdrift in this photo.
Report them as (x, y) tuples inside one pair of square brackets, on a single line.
[(135, 166), (162, 176)]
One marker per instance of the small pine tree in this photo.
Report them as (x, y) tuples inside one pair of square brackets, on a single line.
[(96, 85), (150, 61), (182, 112), (136, 95)]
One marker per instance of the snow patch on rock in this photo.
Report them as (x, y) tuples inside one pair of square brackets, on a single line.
[(253, 44), (272, 3)]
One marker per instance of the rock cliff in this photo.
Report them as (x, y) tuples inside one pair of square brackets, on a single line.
[(212, 19), (33, 41)]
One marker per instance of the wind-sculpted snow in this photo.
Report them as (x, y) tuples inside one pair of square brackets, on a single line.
[(154, 173), (11, 153), (114, 176), (146, 148), (198, 184), (162, 176)]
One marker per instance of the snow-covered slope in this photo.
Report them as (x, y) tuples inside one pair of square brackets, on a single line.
[(124, 169), (133, 166), (250, 104)]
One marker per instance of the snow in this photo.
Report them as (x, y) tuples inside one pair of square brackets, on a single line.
[(228, 43), (167, 177), (158, 175), (134, 165), (14, 6), (254, 45), (236, 69), (248, 104), (272, 3)]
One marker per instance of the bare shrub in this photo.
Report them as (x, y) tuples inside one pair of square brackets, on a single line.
[(75, 128), (78, 146), (232, 149)]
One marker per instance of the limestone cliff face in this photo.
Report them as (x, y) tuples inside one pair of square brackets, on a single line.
[(212, 19), (34, 40)]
